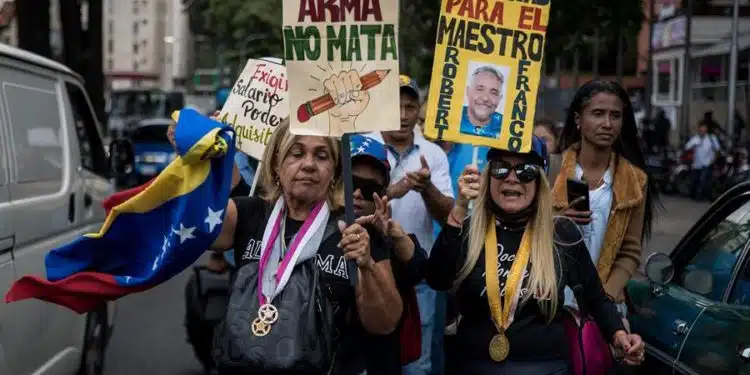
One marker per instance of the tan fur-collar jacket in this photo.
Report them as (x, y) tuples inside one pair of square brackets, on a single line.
[(621, 250)]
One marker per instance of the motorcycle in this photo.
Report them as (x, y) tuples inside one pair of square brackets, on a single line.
[(678, 180)]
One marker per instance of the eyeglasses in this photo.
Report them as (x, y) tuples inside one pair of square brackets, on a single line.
[(367, 187), (525, 172)]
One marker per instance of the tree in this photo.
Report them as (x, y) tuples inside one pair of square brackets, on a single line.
[(34, 26), (94, 73), (83, 48)]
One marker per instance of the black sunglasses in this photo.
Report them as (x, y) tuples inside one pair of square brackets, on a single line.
[(525, 172), (367, 187)]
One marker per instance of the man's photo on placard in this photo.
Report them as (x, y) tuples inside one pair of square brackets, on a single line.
[(485, 99)]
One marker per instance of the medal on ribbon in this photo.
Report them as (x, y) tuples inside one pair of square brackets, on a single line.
[(268, 314), (502, 312)]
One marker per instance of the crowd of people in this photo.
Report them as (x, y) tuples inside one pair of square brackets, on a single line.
[(469, 259)]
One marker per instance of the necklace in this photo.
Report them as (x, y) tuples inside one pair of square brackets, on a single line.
[(510, 229)]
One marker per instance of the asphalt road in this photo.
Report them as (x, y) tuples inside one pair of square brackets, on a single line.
[(150, 339)]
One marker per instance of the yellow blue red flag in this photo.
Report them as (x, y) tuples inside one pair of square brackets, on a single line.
[(151, 237)]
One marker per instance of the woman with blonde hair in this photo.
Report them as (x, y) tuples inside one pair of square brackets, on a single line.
[(509, 263), (293, 306)]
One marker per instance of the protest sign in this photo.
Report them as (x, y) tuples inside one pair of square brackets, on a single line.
[(257, 104), (486, 74), (342, 59)]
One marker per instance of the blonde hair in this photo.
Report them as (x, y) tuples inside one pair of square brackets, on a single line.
[(277, 150), (542, 278)]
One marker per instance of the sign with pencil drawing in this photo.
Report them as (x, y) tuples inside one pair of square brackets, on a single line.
[(342, 63)]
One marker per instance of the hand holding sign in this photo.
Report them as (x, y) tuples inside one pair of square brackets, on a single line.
[(345, 88)]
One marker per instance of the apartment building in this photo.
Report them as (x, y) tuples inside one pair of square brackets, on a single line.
[(144, 43)]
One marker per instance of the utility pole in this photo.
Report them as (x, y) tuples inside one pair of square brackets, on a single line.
[(687, 77), (733, 71), (650, 62)]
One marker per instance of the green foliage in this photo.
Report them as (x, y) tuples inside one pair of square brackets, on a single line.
[(232, 23)]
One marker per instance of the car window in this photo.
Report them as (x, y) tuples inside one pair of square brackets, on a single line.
[(34, 118), (151, 134), (741, 291), (90, 145), (710, 270)]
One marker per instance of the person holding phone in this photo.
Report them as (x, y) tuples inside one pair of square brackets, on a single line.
[(604, 165)]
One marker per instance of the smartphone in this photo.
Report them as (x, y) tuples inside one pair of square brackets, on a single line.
[(577, 189)]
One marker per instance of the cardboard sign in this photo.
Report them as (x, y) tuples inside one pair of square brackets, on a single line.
[(342, 62), (488, 60), (257, 104)]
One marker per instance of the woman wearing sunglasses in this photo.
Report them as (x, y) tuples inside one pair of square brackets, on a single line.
[(509, 262)]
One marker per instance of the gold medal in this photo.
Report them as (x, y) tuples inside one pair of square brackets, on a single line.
[(267, 313), (499, 347), (260, 328), (502, 310)]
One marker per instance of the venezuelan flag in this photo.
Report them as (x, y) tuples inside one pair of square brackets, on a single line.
[(150, 237)]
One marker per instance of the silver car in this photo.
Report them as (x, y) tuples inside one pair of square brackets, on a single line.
[(53, 178)]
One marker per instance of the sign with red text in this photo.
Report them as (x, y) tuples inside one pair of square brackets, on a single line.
[(487, 71), (257, 104), (342, 61)]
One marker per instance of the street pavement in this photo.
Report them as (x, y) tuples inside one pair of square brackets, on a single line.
[(150, 339)]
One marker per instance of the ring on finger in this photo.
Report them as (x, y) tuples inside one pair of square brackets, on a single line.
[(358, 236)]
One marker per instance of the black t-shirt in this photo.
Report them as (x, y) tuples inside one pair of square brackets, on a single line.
[(531, 335), (252, 216)]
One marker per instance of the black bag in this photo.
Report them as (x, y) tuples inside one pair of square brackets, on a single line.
[(299, 342), (206, 300)]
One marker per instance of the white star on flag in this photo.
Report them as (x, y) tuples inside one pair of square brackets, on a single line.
[(184, 233), (214, 218)]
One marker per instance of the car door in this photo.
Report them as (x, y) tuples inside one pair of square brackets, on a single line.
[(719, 342), (666, 315), (42, 195), (7, 269), (705, 266)]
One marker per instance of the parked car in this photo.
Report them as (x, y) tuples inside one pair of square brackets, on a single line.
[(151, 147), (53, 178), (693, 311)]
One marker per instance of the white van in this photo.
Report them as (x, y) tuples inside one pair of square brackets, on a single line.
[(53, 179)]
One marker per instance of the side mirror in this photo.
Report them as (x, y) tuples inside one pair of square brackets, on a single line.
[(121, 156), (699, 281), (659, 268)]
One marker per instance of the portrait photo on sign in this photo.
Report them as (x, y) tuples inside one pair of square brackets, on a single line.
[(484, 99)]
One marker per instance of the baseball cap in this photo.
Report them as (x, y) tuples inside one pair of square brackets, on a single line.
[(409, 85), (537, 155), (368, 149)]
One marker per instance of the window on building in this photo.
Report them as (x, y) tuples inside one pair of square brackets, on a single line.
[(135, 48), (135, 28), (135, 66), (110, 46), (111, 27), (111, 64)]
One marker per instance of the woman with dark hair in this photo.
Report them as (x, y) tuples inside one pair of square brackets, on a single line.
[(601, 148)]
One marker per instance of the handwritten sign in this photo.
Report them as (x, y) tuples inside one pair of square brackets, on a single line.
[(342, 59), (257, 104), (488, 60)]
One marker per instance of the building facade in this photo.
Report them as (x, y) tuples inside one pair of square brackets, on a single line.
[(709, 44), (145, 43)]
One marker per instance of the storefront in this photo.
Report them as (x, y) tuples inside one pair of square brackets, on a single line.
[(668, 41)]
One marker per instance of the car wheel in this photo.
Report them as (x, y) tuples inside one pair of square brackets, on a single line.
[(683, 183), (95, 343)]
